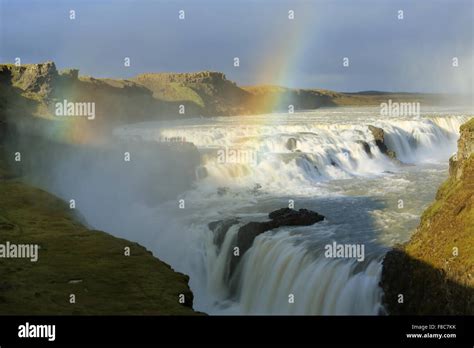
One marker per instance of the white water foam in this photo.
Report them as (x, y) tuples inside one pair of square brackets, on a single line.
[(330, 156)]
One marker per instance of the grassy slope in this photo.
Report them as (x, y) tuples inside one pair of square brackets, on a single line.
[(112, 283), (448, 223), (169, 91), (203, 93), (432, 278)]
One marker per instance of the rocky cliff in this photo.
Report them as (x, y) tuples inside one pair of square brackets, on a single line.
[(433, 273), (32, 92)]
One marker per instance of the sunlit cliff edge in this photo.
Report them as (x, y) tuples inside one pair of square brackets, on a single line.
[(433, 273)]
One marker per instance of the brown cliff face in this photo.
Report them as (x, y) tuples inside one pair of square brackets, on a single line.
[(434, 271), (203, 93), (31, 78)]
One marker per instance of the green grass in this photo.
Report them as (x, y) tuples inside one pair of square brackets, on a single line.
[(448, 223), (434, 270), (169, 91), (112, 283)]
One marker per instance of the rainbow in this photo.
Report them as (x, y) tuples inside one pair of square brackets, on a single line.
[(284, 54)]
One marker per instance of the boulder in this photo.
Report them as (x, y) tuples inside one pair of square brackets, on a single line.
[(278, 218), (379, 137), (291, 217), (291, 144)]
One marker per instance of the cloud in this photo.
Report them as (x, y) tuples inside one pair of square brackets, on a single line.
[(385, 53)]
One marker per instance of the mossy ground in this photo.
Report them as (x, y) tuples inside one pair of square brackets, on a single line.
[(449, 224), (174, 92), (435, 270), (110, 282)]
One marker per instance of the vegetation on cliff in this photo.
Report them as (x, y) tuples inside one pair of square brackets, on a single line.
[(434, 271), (158, 96), (203, 93), (73, 259)]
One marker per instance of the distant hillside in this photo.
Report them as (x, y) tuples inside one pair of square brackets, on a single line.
[(267, 98), (304, 99), (205, 93), (32, 90)]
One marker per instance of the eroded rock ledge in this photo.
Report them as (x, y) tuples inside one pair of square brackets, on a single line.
[(379, 137), (249, 231)]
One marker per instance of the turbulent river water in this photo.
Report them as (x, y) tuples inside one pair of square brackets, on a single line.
[(252, 165)]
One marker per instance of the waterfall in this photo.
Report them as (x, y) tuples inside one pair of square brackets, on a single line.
[(323, 151), (311, 158)]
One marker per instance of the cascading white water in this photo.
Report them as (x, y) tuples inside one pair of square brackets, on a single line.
[(329, 171), (318, 285), (326, 148)]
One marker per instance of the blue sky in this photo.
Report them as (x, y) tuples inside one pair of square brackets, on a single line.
[(413, 54)]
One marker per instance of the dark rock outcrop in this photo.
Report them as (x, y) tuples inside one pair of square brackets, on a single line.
[(33, 78), (220, 229), (379, 137), (365, 146), (291, 217), (291, 144), (278, 218), (248, 232)]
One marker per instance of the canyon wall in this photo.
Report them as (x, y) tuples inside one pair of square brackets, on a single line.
[(433, 273)]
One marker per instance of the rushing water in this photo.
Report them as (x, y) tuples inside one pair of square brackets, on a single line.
[(366, 198)]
